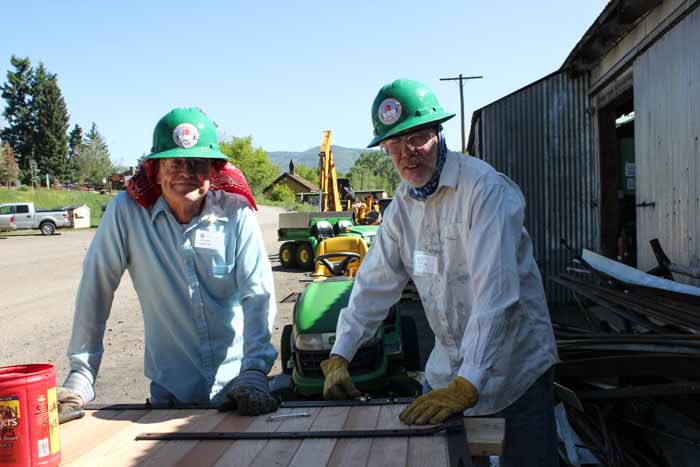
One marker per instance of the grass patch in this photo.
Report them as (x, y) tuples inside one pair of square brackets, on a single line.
[(44, 198), (290, 205)]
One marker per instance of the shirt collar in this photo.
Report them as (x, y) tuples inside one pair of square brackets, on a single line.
[(450, 172), (159, 206), (448, 178)]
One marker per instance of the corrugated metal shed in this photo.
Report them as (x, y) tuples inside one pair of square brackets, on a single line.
[(667, 144), (542, 137)]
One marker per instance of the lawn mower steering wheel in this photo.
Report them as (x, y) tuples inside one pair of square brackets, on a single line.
[(338, 268)]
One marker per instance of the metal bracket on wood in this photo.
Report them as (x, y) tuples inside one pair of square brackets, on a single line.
[(646, 204)]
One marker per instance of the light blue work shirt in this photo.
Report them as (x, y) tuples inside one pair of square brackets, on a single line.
[(206, 292)]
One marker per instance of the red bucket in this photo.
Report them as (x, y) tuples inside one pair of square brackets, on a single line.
[(29, 434)]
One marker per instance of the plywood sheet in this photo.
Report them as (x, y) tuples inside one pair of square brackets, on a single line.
[(106, 438)]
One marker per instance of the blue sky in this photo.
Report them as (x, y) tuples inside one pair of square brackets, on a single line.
[(282, 71)]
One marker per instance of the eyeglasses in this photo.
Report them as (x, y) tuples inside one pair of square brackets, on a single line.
[(192, 166), (413, 141)]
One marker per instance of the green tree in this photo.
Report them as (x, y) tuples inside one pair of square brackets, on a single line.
[(93, 158), (94, 136), (281, 192), (75, 146), (308, 173), (374, 170), (9, 171), (50, 140), (253, 162), (18, 112)]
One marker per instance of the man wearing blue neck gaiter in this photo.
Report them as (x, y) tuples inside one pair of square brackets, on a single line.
[(455, 227)]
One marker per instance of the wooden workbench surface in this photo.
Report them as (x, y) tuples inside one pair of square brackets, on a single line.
[(106, 438)]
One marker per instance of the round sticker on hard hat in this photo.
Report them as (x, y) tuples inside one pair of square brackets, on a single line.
[(186, 135), (389, 111)]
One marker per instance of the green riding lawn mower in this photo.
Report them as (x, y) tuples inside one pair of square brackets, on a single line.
[(385, 365), (301, 233)]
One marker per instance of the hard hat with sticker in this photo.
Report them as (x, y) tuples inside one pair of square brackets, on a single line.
[(389, 111), (404, 105), (185, 132), (186, 135)]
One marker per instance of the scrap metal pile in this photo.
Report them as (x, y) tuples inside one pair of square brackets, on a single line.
[(629, 378)]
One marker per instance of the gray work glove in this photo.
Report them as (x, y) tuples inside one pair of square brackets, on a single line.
[(70, 405), (71, 397), (250, 395)]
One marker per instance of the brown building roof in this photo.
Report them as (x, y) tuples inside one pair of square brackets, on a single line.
[(300, 180)]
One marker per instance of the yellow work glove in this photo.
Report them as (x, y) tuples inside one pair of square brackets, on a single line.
[(338, 384), (437, 405)]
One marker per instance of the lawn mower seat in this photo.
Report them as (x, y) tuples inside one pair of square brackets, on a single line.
[(348, 244)]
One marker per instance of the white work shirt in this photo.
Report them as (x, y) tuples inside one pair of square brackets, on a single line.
[(471, 259)]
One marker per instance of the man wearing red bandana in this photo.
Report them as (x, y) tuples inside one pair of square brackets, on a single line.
[(186, 232)]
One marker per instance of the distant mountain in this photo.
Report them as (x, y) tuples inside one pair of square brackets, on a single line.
[(344, 157)]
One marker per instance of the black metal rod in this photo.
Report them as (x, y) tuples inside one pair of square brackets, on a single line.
[(283, 405), (149, 406), (347, 403), (236, 435)]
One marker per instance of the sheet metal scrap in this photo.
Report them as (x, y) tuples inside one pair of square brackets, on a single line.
[(639, 382)]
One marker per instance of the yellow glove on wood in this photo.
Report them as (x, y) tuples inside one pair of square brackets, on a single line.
[(437, 405), (338, 384)]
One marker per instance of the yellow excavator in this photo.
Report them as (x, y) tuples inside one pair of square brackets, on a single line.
[(365, 212), (330, 192)]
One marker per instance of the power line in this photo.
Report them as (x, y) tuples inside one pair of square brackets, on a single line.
[(461, 80)]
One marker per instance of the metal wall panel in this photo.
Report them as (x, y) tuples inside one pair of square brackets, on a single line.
[(667, 132), (542, 137)]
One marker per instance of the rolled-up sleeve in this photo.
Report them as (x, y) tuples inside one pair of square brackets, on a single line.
[(496, 224), (378, 286), (103, 267), (257, 295)]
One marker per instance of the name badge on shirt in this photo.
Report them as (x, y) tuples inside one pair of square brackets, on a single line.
[(209, 239), (425, 263)]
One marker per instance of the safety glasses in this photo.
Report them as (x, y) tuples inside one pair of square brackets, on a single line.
[(394, 146), (192, 166)]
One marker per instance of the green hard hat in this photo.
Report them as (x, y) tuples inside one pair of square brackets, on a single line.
[(403, 105), (185, 132)]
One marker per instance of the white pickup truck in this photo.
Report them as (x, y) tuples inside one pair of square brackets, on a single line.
[(26, 216)]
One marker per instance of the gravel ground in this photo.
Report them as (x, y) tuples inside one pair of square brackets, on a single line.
[(39, 277)]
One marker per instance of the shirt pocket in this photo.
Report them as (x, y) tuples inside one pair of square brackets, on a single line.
[(454, 237), (216, 273), (453, 231)]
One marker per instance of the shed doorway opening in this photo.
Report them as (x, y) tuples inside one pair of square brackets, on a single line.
[(618, 180)]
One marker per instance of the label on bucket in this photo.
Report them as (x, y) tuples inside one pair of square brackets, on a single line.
[(10, 428), (9, 418), (45, 422), (53, 420)]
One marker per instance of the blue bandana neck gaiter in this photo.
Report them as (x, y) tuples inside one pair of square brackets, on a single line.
[(422, 193)]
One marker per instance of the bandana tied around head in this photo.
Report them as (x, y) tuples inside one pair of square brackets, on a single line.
[(225, 176), (422, 193)]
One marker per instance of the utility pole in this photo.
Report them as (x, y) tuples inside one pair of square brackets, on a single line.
[(461, 80)]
